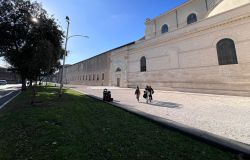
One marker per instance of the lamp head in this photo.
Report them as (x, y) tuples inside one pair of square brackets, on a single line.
[(67, 18)]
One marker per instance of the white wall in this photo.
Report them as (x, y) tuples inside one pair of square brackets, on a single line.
[(227, 5), (187, 58)]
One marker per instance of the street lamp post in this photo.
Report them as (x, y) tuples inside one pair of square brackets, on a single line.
[(65, 52)]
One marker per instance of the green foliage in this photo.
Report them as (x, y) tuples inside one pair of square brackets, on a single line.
[(76, 127), (32, 49)]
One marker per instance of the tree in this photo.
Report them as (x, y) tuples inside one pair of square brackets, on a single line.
[(32, 49)]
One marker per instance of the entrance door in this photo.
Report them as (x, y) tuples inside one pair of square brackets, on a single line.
[(118, 82)]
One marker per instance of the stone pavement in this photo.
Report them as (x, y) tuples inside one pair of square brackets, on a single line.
[(226, 116)]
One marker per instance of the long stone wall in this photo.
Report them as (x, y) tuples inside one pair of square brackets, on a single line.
[(10, 77), (94, 71), (184, 59)]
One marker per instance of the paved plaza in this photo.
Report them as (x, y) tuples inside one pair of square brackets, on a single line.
[(226, 116)]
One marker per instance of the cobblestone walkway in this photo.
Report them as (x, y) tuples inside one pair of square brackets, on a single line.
[(227, 116)]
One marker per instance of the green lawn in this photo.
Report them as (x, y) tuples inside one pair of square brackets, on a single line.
[(76, 127)]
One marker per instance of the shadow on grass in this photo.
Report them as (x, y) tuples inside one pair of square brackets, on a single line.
[(45, 97)]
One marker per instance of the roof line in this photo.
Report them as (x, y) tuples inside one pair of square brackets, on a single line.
[(172, 10), (128, 44)]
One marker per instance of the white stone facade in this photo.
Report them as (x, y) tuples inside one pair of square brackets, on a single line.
[(186, 58), (94, 71)]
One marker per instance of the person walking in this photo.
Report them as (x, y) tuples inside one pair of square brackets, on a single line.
[(137, 93), (151, 92), (146, 94)]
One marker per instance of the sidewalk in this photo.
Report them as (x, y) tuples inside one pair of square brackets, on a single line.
[(226, 116)]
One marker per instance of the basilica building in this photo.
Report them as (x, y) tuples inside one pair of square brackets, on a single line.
[(201, 46)]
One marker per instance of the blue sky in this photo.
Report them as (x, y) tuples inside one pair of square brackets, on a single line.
[(108, 23)]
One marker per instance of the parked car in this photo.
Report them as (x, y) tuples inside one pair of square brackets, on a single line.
[(3, 82)]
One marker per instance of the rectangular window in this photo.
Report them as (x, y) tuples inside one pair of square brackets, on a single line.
[(89, 77), (93, 77), (103, 76), (98, 77)]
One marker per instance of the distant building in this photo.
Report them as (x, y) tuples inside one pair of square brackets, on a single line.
[(200, 46), (58, 76), (9, 76)]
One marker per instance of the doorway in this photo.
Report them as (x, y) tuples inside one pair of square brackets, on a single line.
[(118, 82)]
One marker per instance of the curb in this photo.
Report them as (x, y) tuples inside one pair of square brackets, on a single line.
[(226, 143)]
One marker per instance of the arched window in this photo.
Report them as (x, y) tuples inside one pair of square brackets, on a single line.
[(164, 29), (143, 64), (118, 69), (226, 52), (191, 18)]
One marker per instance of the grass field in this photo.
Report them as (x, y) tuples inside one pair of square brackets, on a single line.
[(76, 127)]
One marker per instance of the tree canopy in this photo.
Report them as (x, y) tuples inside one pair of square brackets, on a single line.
[(31, 41)]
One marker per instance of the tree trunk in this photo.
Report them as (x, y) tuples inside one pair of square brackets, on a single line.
[(34, 94), (31, 81), (23, 83)]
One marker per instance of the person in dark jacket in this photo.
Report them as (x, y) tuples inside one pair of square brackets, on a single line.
[(151, 92), (146, 94), (137, 93)]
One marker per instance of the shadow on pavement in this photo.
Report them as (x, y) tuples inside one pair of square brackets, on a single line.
[(71, 87), (116, 101), (164, 104)]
